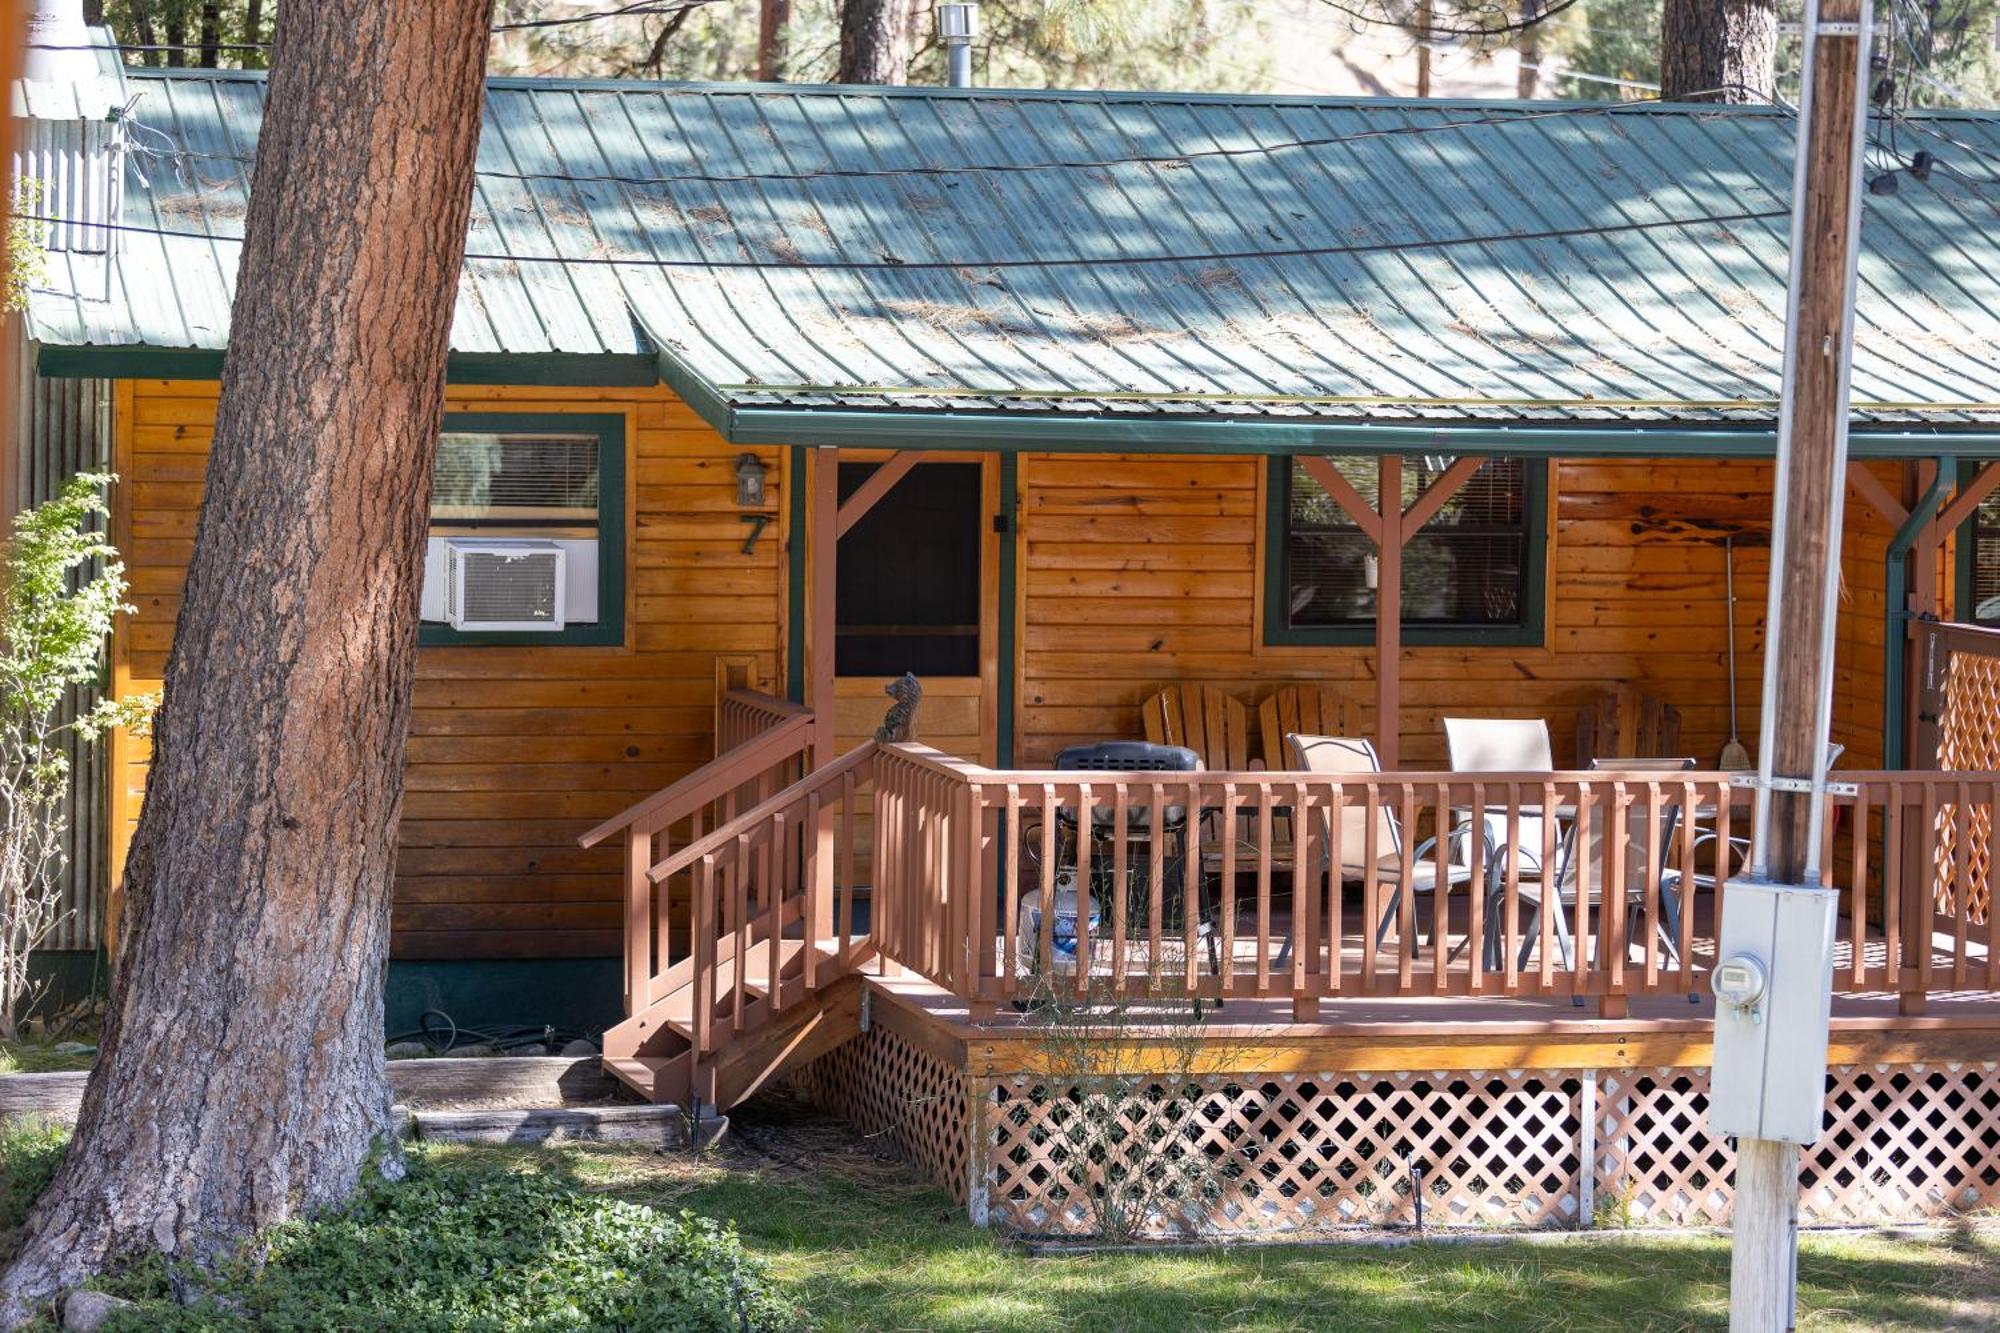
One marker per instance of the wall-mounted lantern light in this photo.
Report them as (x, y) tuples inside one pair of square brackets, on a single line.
[(749, 481)]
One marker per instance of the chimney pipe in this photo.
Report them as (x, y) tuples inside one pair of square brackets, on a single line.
[(58, 44), (958, 24)]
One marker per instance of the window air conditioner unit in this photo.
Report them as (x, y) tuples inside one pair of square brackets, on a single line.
[(503, 585)]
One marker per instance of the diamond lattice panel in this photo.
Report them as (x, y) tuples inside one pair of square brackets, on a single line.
[(1968, 742), (1903, 1143), (1286, 1153), (882, 1084)]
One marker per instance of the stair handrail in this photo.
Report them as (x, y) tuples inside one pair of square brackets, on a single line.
[(723, 837), (723, 851), (712, 781)]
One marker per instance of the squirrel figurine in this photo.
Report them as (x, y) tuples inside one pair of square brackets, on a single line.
[(900, 722)]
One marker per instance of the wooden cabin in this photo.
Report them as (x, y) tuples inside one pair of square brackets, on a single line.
[(1067, 401)]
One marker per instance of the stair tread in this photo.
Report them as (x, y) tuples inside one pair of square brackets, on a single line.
[(677, 1009)]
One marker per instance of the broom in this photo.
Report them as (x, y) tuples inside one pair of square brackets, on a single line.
[(1734, 756)]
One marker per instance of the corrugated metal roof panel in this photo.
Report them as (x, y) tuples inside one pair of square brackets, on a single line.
[(1145, 255)]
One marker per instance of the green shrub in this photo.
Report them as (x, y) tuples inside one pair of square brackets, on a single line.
[(484, 1249), (449, 1247)]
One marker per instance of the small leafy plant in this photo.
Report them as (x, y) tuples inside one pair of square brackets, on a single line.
[(452, 1247), (54, 621)]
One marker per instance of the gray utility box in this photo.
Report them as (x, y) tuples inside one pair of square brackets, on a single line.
[(1773, 983)]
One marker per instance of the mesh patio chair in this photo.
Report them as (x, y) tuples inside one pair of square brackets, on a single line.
[(1512, 745), (1641, 870), (1342, 755)]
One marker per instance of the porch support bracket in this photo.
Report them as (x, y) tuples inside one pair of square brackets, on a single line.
[(1389, 527)]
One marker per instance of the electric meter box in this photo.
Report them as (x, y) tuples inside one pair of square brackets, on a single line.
[(1773, 983)]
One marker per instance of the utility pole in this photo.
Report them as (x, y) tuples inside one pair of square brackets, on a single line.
[(1773, 982)]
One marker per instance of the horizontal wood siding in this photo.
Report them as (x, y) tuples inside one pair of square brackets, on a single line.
[(513, 751), (1138, 571)]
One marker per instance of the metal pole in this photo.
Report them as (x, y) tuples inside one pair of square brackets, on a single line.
[(1808, 492), (958, 25)]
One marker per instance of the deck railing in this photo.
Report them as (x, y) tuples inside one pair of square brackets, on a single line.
[(1597, 884), (742, 715), (762, 745), (1604, 884), (772, 901)]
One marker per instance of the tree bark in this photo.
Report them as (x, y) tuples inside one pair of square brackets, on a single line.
[(774, 18), (874, 43), (1718, 50), (211, 33), (177, 33), (240, 1078), (1528, 78)]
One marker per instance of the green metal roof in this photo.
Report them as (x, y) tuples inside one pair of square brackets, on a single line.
[(1164, 266)]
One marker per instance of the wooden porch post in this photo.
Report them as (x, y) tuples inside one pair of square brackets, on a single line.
[(1389, 613), (823, 521), (1389, 526)]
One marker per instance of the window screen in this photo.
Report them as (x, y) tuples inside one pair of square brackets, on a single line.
[(1468, 568), (516, 481), (1984, 541), (906, 591)]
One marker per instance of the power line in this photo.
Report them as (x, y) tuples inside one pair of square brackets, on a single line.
[(1165, 160), (1433, 30), (891, 264), (637, 10), (640, 9)]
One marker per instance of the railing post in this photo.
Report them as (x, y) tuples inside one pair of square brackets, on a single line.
[(638, 920)]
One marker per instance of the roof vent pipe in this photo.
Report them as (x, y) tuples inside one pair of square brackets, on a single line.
[(58, 44), (958, 24)]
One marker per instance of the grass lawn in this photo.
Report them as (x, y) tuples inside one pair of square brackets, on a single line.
[(855, 1238), (863, 1244), (39, 1057)]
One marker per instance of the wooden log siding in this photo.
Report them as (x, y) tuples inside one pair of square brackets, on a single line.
[(1134, 571), (1138, 571), (513, 751)]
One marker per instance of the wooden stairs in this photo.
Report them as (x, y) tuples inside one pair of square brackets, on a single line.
[(653, 1051)]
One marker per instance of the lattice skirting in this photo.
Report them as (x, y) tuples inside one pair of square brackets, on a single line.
[(1902, 1143), (1296, 1154), (883, 1084)]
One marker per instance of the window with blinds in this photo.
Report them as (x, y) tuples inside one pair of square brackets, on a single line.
[(547, 489), (1473, 569), (486, 481)]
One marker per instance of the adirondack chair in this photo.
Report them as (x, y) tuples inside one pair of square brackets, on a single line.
[(1626, 721), (1214, 725), (1312, 710)]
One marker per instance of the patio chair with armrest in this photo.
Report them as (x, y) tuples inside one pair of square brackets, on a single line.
[(1641, 869), (1511, 745), (1335, 756)]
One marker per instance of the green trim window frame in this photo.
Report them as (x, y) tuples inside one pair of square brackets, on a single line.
[(608, 630), (1977, 564), (1525, 530)]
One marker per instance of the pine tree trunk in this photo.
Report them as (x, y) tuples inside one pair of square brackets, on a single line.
[(211, 33), (177, 33), (874, 44), (1528, 78), (1718, 50), (774, 18), (240, 1077)]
